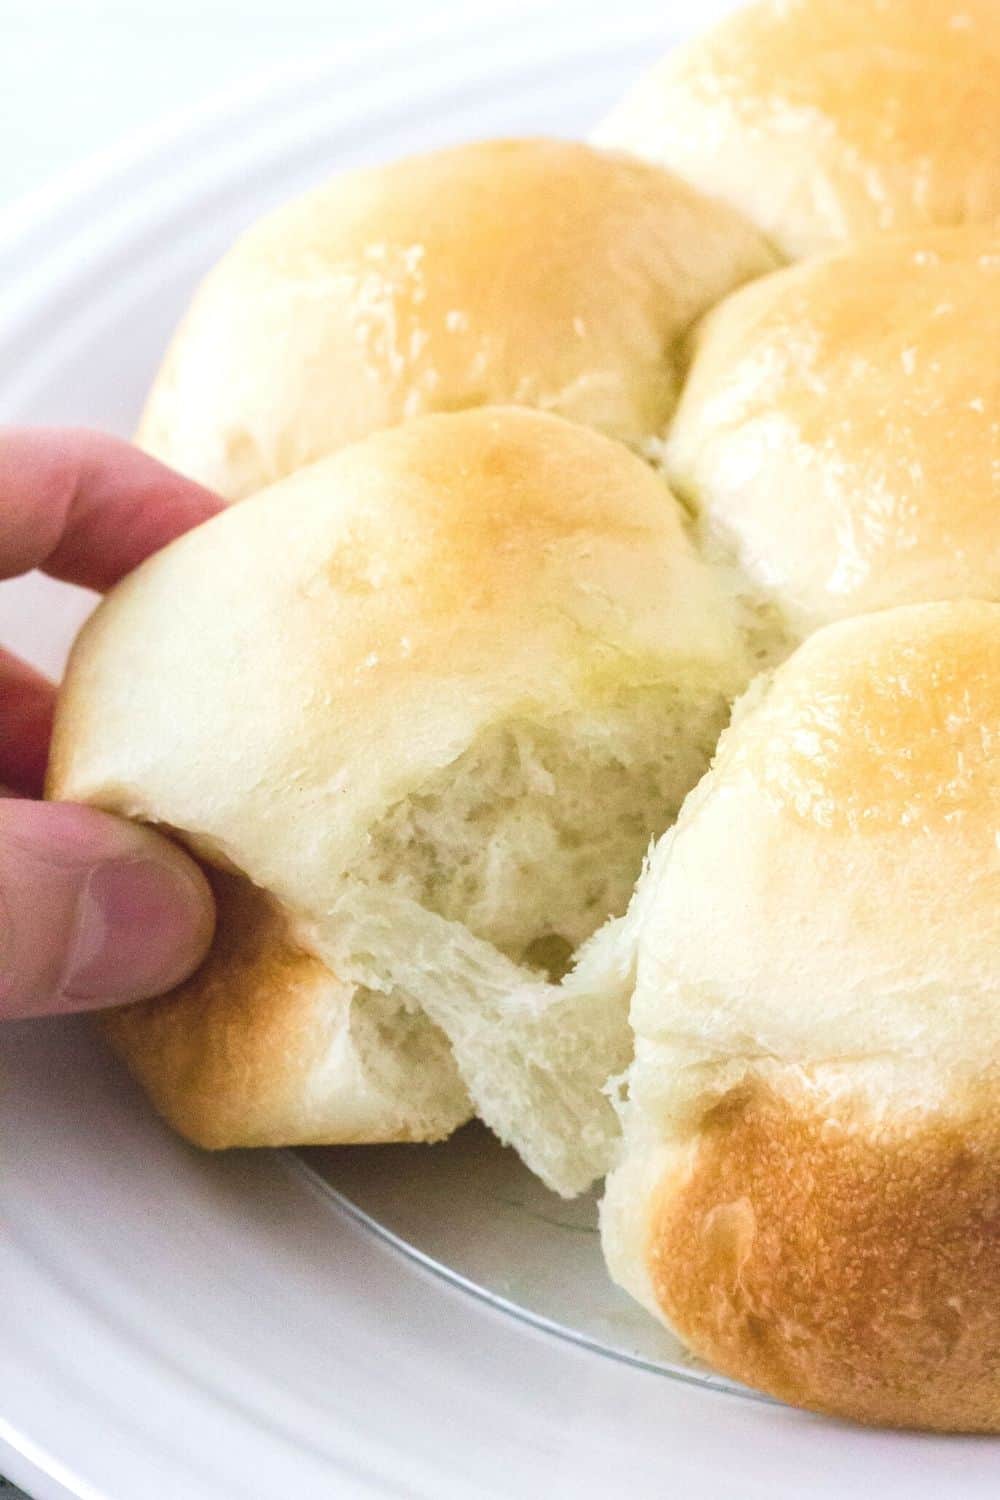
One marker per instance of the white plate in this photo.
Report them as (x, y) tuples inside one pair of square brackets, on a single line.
[(175, 1326)]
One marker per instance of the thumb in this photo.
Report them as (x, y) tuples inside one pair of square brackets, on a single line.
[(93, 911)]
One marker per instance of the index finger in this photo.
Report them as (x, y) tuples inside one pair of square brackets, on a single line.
[(86, 507)]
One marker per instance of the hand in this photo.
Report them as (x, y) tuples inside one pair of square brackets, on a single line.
[(93, 911)]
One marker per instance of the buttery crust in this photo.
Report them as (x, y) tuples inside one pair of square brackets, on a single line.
[(841, 1264), (839, 432), (542, 273), (824, 120)]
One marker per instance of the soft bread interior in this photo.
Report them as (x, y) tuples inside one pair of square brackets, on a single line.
[(460, 960), (477, 891), (536, 833)]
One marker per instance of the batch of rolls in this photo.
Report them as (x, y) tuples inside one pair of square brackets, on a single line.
[(566, 460)]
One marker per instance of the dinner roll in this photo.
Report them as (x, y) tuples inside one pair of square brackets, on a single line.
[(424, 703), (839, 433), (810, 1191), (826, 119), (543, 273)]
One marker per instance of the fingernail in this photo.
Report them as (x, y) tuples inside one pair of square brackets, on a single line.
[(140, 928)]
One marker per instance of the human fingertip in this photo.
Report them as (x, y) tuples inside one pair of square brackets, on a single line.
[(141, 925)]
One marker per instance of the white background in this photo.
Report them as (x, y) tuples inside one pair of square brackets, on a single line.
[(79, 76)]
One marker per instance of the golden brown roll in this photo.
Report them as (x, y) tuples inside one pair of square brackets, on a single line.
[(839, 433), (822, 120), (810, 1190), (543, 273), (425, 703)]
